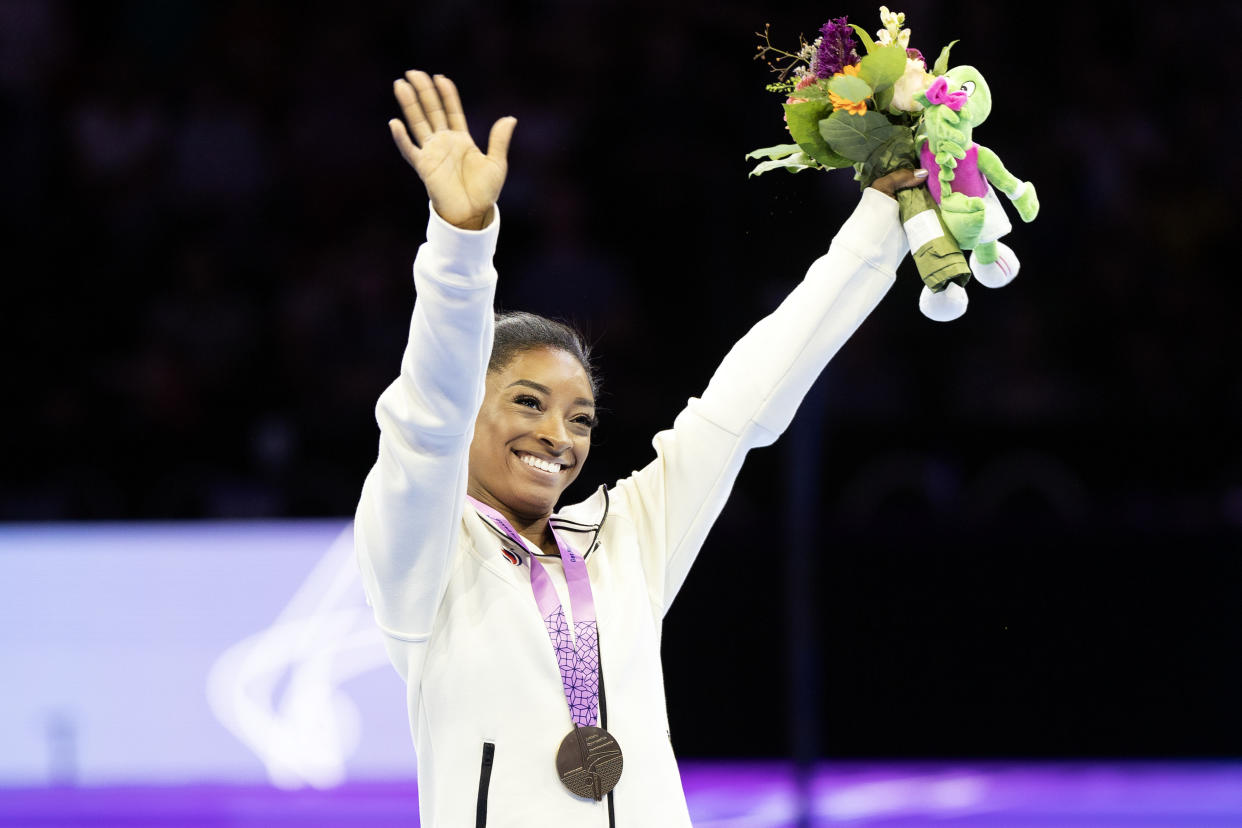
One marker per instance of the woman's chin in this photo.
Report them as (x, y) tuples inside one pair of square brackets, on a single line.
[(532, 505)]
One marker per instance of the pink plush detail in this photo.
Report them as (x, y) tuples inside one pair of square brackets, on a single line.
[(938, 93), (967, 180)]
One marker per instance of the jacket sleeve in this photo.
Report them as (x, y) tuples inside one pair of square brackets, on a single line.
[(754, 393), (405, 529)]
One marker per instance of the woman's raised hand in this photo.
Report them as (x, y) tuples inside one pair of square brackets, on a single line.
[(461, 181)]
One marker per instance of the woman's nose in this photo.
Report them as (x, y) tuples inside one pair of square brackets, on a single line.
[(555, 435)]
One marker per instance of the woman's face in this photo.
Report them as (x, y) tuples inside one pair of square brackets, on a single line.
[(533, 433)]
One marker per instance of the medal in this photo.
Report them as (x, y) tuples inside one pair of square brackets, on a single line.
[(589, 759), (589, 762)]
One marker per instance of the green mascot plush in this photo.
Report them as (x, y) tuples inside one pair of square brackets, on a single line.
[(963, 177)]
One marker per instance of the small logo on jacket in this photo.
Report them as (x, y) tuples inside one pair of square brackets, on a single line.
[(511, 556)]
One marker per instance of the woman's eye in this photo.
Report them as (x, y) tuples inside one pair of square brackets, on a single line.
[(968, 87), (586, 420), (528, 401)]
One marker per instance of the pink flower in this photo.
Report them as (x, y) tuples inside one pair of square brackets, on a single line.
[(803, 82)]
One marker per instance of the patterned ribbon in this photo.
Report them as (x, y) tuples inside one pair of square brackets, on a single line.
[(577, 655)]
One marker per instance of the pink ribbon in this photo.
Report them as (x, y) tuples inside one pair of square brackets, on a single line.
[(578, 661), (938, 93)]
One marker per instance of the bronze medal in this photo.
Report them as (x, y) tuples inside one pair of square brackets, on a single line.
[(589, 762)]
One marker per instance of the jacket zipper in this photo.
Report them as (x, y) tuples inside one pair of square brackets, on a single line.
[(485, 780), (603, 714)]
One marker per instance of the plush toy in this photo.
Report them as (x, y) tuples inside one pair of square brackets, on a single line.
[(961, 178)]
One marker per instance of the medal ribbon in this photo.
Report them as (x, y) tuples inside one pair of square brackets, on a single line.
[(577, 656)]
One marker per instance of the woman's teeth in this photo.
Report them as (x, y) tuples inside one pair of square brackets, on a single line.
[(542, 465)]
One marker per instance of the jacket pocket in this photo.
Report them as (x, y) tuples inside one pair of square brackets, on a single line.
[(485, 781)]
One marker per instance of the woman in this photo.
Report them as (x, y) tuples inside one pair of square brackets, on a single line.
[(529, 640)]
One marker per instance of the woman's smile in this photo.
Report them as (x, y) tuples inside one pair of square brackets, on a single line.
[(541, 463)]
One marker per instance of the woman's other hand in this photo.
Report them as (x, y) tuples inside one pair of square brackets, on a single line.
[(462, 183)]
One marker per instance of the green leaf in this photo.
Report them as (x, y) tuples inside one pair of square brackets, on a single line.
[(778, 151), (893, 154), (855, 136), (942, 63), (803, 119), (884, 100), (882, 67), (797, 162), (850, 87), (817, 91), (863, 36)]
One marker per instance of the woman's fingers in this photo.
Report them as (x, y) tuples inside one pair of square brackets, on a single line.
[(498, 140), (402, 139), (429, 105), (900, 180), (428, 98), (452, 103), (410, 108)]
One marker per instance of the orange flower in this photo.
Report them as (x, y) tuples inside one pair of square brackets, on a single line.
[(838, 102)]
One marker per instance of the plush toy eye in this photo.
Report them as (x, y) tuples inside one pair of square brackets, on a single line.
[(968, 87)]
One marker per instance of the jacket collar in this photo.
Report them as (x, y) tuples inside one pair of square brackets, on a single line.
[(578, 525)]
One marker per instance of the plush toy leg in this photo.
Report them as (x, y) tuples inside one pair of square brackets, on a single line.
[(965, 218), (994, 264), (944, 306)]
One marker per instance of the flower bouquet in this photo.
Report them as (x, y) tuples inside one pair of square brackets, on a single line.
[(866, 112)]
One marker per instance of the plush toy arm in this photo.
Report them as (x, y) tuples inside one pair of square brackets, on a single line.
[(990, 165), (1021, 193)]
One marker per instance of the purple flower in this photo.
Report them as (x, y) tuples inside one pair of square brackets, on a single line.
[(836, 48)]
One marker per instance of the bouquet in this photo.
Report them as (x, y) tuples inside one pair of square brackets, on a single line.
[(866, 112)]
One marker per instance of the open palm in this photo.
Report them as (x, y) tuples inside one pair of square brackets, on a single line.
[(461, 181)]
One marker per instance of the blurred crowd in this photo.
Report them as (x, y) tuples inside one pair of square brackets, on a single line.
[(208, 235)]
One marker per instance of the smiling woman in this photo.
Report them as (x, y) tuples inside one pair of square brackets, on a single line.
[(483, 591), (531, 437)]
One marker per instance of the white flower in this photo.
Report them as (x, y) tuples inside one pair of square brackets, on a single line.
[(916, 79), (808, 51), (893, 21), (904, 38), (884, 37)]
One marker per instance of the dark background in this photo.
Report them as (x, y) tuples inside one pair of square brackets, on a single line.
[(1024, 524)]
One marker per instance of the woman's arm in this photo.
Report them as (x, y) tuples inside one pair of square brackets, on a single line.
[(405, 527), (754, 393)]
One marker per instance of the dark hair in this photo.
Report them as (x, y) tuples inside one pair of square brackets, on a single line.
[(519, 331)]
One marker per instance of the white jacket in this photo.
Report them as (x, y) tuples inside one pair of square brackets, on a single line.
[(487, 710)]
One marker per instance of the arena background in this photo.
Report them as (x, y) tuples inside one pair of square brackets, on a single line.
[(1019, 531)]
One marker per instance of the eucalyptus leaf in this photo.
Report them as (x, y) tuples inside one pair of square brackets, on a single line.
[(882, 66), (855, 136), (863, 36), (942, 63), (778, 151), (803, 120), (797, 162), (850, 87)]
